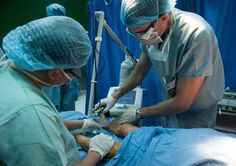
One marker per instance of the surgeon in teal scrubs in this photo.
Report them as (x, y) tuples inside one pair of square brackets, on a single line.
[(183, 49), (41, 53)]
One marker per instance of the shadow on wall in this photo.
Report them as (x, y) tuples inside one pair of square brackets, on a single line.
[(16, 13)]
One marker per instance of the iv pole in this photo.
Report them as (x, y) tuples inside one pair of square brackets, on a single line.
[(102, 22)]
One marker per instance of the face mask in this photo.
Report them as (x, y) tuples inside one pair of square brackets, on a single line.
[(67, 76), (35, 78), (147, 37), (156, 54), (51, 85), (159, 54), (31, 76), (3, 57), (150, 37)]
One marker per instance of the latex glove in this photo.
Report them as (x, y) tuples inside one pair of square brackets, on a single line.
[(125, 116), (108, 102), (101, 143), (90, 124)]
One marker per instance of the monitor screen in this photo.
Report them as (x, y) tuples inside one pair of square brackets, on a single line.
[(129, 98)]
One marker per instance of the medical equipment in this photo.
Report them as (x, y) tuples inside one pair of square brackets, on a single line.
[(226, 118), (102, 23), (132, 98), (98, 110), (126, 67)]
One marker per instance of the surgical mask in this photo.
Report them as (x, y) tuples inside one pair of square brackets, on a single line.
[(75, 73), (156, 54), (147, 37), (3, 57), (67, 76), (150, 37), (37, 79), (12, 65), (161, 54)]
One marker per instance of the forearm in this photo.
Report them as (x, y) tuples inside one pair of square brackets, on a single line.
[(73, 124), (181, 102), (91, 159), (167, 107), (137, 75)]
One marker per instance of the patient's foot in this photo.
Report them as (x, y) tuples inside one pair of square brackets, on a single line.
[(103, 121)]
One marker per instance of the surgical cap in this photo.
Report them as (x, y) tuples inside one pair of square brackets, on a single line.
[(48, 43), (140, 12), (55, 10)]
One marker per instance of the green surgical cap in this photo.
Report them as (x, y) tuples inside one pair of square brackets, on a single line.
[(140, 12), (48, 43)]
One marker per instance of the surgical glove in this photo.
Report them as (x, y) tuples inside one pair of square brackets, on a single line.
[(108, 102), (128, 115), (101, 143), (90, 124)]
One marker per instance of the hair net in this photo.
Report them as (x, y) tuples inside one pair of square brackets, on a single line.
[(140, 12), (48, 43), (55, 10)]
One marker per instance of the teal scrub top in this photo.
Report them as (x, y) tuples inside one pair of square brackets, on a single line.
[(32, 133), (191, 51)]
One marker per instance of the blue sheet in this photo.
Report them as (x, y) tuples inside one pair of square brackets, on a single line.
[(148, 146)]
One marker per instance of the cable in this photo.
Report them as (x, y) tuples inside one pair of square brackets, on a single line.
[(104, 64)]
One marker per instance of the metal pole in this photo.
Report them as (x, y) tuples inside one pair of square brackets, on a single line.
[(118, 41), (100, 17)]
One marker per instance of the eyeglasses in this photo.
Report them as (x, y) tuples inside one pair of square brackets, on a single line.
[(75, 73), (140, 33)]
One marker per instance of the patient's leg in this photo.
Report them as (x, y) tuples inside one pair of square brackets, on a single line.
[(120, 130), (84, 143)]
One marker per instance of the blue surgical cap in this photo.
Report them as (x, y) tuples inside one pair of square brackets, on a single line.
[(55, 10), (48, 43), (140, 12)]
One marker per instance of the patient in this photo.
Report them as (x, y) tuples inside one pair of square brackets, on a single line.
[(160, 146), (120, 130)]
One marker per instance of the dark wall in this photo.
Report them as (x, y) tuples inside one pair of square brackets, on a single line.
[(15, 13)]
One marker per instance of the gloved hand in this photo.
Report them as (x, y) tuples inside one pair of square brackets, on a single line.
[(108, 102), (101, 143), (128, 115), (90, 124)]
